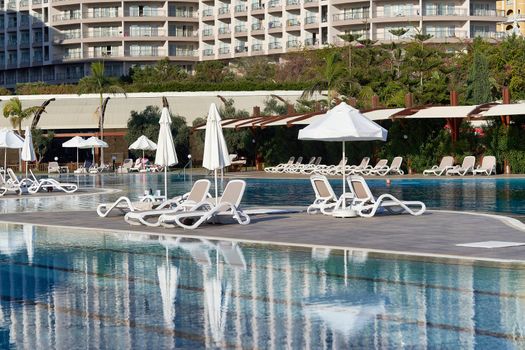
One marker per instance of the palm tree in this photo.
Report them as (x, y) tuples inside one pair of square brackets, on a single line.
[(331, 77), (16, 113), (99, 83)]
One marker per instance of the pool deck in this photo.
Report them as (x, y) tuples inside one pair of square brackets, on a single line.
[(435, 233)]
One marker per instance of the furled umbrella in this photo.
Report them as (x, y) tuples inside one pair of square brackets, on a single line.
[(9, 139), (343, 123), (144, 144), (76, 142), (93, 142), (28, 150), (216, 154), (165, 155)]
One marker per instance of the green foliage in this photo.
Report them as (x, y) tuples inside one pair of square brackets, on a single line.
[(146, 123), (46, 89), (14, 111), (4, 91), (479, 86), (162, 71), (212, 72), (41, 142)]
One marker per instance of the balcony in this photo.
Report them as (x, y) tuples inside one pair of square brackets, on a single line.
[(224, 10), (257, 47), (293, 23), (446, 33), (293, 44), (24, 42), (37, 2), (24, 3), (275, 46), (207, 52), (183, 14), (257, 26), (145, 52), (151, 13), (207, 32), (311, 3), (224, 51), (66, 17), (241, 49), (489, 35), (257, 6), (103, 34), (37, 59), (184, 52), (487, 13), (11, 5), (274, 4), (445, 11), (311, 20), (292, 2), (12, 44), (105, 54), (70, 56), (275, 25), (241, 8), (100, 15), (12, 64), (240, 29), (183, 34), (207, 13), (224, 30), (144, 32), (349, 16), (381, 13), (309, 42)]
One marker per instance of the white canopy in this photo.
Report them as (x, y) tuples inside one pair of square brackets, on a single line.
[(10, 139), (505, 109), (443, 112), (143, 143), (75, 142), (166, 154), (382, 114), (94, 141), (216, 154), (343, 123)]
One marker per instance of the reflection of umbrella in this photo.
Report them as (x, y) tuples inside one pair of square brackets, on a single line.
[(199, 249), (29, 238), (168, 278), (28, 151), (75, 142), (346, 315), (166, 155), (93, 142), (216, 299), (343, 123), (216, 154), (10, 241), (9, 139)]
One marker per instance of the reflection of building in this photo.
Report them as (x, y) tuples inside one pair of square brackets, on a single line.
[(54, 41)]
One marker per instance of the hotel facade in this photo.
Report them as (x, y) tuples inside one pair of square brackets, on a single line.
[(55, 41)]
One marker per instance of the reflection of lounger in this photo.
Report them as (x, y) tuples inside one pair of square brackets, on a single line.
[(199, 249), (232, 254)]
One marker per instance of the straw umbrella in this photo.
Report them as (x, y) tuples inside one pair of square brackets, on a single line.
[(166, 154), (76, 142), (343, 123), (9, 139), (28, 151), (216, 154)]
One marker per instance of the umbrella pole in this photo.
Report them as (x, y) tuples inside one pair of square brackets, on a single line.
[(5, 161), (166, 181), (216, 192), (344, 186), (77, 157)]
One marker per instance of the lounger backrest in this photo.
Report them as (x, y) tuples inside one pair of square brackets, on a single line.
[(322, 188), (128, 163), (343, 161), (381, 163), (312, 160), (488, 162), (232, 157), (359, 188), (446, 161), (199, 191), (33, 175), (396, 163), (53, 165), (364, 163), (318, 160), (291, 160), (233, 192), (299, 160), (468, 162), (12, 176)]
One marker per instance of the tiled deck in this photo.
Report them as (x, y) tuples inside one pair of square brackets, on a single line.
[(434, 233)]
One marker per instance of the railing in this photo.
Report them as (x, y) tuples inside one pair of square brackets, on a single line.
[(310, 1), (207, 32), (70, 56), (240, 29), (257, 47), (274, 3), (24, 42), (257, 26), (240, 8), (144, 32), (71, 35), (207, 12), (487, 13), (311, 42), (292, 2), (66, 16), (68, 76), (24, 3), (257, 6), (182, 34), (224, 30), (224, 10), (446, 11), (100, 15), (489, 35), (292, 44), (12, 44), (37, 2), (184, 52), (145, 52), (150, 13), (275, 46), (38, 59), (103, 34), (310, 20), (397, 13), (241, 49), (12, 25), (275, 24), (224, 50), (293, 23), (207, 52), (183, 14), (24, 22), (351, 15), (116, 53), (446, 33), (12, 64), (11, 5)]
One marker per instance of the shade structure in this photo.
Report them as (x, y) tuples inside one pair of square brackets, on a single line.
[(216, 155), (9, 139), (76, 142), (92, 143), (343, 123), (166, 155), (28, 151), (144, 144)]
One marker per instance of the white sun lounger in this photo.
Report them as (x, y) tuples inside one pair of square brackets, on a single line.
[(332, 169), (124, 205), (48, 184), (357, 169), (367, 206), (296, 168), (277, 168), (53, 167), (446, 164), (325, 197), (466, 167), (380, 165), (487, 167), (15, 184), (311, 168), (199, 192), (227, 206), (394, 168)]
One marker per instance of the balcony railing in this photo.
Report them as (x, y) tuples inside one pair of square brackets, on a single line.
[(71, 35), (37, 2), (12, 44), (101, 15), (351, 15), (257, 47), (37, 59), (150, 13), (275, 24), (144, 32), (207, 12), (103, 34), (292, 2), (274, 3), (257, 6), (257, 26), (240, 8), (399, 13), (11, 5), (293, 23), (241, 29), (311, 42), (310, 1), (24, 3), (446, 33), (24, 42), (71, 56), (182, 34), (145, 52), (293, 44), (207, 32), (224, 30), (489, 35), (275, 46), (183, 52), (224, 50), (311, 20), (182, 13), (112, 53), (66, 16), (241, 49), (207, 52), (224, 10), (487, 13), (446, 11)]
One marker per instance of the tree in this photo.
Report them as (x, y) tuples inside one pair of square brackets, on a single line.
[(99, 83), (331, 77), (212, 72), (41, 142), (16, 113), (479, 85), (350, 39), (162, 71)]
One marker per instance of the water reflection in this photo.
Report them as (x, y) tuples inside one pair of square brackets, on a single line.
[(82, 289)]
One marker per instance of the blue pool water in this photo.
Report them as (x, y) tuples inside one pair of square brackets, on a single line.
[(79, 290), (502, 195)]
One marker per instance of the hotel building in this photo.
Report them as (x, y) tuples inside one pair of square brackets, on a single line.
[(55, 40)]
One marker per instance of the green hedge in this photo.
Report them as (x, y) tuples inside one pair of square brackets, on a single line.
[(240, 85)]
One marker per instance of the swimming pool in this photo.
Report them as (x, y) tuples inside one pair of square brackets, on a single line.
[(83, 289), (501, 195)]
